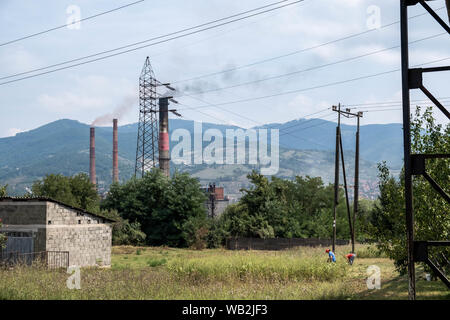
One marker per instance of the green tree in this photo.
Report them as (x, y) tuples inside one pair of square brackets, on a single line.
[(195, 231), (283, 208), (76, 191), (126, 233), (3, 191), (432, 221), (159, 204)]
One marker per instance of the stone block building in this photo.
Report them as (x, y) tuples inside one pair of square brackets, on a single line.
[(41, 225)]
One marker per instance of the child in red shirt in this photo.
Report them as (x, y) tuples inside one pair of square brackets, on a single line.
[(350, 258)]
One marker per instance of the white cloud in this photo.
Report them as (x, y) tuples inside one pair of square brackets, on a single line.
[(69, 101), (93, 95), (18, 60), (302, 106), (388, 57), (425, 55)]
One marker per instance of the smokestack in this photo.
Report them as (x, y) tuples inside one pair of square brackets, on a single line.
[(115, 153), (163, 145), (92, 157)]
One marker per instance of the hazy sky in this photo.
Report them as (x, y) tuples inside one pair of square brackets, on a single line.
[(93, 90)]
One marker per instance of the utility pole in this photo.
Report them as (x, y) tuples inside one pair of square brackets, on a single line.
[(356, 184), (347, 113), (212, 198), (336, 176), (346, 195)]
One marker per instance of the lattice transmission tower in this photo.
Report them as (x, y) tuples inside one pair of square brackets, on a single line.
[(147, 140)]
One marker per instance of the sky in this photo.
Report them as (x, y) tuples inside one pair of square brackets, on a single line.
[(110, 86)]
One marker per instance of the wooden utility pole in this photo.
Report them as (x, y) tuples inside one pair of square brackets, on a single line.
[(356, 184), (347, 113), (336, 175), (346, 194)]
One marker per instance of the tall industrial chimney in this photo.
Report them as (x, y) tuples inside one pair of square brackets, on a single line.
[(92, 157), (115, 153), (163, 145)]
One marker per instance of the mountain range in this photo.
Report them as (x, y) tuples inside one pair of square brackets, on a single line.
[(306, 148)]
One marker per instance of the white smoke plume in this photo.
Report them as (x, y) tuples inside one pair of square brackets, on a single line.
[(123, 108)]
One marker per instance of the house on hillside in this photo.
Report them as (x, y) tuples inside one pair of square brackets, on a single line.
[(57, 233)]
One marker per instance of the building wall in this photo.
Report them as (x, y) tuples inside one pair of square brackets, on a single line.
[(220, 206), (55, 227), (85, 236)]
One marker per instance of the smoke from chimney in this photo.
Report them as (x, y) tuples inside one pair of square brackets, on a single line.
[(124, 107), (92, 157), (115, 152)]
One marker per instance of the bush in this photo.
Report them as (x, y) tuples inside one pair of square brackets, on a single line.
[(156, 262), (370, 252), (126, 233), (195, 232), (3, 191), (217, 234)]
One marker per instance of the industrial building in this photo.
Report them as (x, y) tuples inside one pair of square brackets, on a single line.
[(41, 227), (216, 202)]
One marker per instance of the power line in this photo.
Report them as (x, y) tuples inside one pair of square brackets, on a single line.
[(173, 38), (310, 120), (217, 35), (254, 121), (65, 25), (148, 45), (241, 116), (317, 87), (394, 103), (381, 110), (297, 51), (313, 68)]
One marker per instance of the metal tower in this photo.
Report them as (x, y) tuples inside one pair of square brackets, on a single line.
[(147, 140), (415, 164)]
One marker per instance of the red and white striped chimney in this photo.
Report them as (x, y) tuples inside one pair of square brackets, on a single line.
[(92, 157), (115, 152)]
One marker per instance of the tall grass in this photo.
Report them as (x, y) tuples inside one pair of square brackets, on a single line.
[(156, 283), (168, 273), (369, 251), (256, 267)]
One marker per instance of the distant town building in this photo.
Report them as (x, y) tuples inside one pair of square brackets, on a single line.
[(216, 201)]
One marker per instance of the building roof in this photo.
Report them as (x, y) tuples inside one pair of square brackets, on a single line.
[(44, 199)]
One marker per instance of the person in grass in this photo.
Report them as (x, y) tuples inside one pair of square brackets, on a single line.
[(350, 258), (331, 256)]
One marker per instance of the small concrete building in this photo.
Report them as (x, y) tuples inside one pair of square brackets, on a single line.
[(41, 225)]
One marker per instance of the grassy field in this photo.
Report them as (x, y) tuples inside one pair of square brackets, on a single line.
[(168, 273)]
